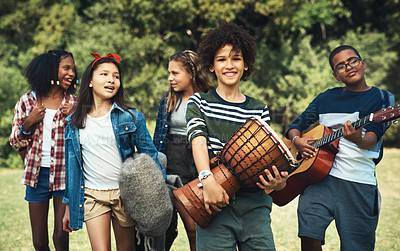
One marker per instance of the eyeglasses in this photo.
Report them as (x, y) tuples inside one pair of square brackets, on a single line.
[(340, 68)]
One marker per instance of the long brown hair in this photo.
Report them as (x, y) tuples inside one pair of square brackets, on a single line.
[(200, 82)]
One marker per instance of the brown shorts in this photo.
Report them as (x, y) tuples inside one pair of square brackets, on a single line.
[(98, 202)]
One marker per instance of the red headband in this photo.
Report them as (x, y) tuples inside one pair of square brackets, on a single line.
[(109, 55)]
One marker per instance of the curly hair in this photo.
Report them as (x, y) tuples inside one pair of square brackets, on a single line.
[(44, 68), (228, 34), (189, 61)]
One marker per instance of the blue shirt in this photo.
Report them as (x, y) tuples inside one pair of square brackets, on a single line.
[(129, 133), (332, 109)]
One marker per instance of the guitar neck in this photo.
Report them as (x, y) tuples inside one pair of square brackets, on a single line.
[(338, 133)]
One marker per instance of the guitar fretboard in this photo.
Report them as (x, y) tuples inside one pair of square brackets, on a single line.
[(338, 133)]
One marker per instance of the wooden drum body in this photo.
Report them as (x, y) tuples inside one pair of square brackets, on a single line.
[(190, 196), (253, 148), (248, 152)]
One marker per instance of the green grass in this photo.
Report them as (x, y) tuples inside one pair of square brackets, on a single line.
[(15, 232)]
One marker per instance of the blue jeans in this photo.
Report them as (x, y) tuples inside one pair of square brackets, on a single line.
[(41, 193)]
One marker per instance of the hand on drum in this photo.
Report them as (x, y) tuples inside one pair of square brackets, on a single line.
[(275, 183), (303, 145), (215, 197)]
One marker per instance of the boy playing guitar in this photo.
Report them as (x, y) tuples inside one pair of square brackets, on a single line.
[(349, 194)]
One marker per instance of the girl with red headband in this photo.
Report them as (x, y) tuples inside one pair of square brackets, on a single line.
[(100, 135), (38, 133)]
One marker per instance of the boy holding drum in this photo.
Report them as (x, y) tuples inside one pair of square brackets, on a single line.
[(244, 220)]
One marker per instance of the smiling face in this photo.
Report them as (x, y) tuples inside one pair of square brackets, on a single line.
[(66, 72), (352, 77), (228, 66), (105, 81), (179, 78)]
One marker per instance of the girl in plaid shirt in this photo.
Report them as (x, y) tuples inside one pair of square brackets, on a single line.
[(38, 133)]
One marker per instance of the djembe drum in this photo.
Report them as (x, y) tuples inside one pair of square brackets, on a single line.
[(253, 148)]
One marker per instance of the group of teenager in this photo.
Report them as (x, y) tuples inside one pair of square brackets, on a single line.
[(73, 148)]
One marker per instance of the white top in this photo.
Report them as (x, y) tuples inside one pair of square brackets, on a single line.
[(350, 155), (177, 122), (47, 141), (101, 160)]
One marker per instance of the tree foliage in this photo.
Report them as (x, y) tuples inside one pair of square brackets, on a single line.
[(294, 38)]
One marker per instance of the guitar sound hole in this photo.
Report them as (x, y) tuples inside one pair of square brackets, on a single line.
[(298, 156)]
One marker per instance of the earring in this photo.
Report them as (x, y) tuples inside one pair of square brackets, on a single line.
[(52, 82), (90, 85), (58, 82)]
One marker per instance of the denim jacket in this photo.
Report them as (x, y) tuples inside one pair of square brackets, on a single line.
[(129, 133), (161, 131)]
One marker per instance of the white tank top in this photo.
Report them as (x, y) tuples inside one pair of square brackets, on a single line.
[(101, 159), (47, 140)]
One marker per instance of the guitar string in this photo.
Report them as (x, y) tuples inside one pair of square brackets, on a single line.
[(338, 133)]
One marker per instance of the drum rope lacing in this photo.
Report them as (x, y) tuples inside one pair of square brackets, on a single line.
[(256, 153)]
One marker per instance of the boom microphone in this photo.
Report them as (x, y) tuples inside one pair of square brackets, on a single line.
[(145, 195)]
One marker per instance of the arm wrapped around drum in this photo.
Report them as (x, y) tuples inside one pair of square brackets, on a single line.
[(253, 148)]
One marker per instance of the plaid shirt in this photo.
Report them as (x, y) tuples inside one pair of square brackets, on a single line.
[(34, 142)]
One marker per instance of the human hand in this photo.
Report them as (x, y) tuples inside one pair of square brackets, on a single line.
[(303, 145), (274, 183), (65, 221), (67, 108), (350, 133), (215, 197), (34, 117)]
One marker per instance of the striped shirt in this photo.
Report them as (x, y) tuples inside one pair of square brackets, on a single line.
[(216, 119), (34, 142)]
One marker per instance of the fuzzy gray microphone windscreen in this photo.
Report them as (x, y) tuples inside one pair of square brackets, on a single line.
[(145, 194)]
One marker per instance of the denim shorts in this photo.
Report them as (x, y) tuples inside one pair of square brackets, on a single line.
[(41, 192), (353, 206), (245, 223)]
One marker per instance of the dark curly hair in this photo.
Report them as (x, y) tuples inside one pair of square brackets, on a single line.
[(228, 34), (44, 68)]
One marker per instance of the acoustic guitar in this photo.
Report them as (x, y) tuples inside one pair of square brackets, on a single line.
[(315, 169)]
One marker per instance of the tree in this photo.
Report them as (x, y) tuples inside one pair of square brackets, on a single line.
[(294, 38)]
